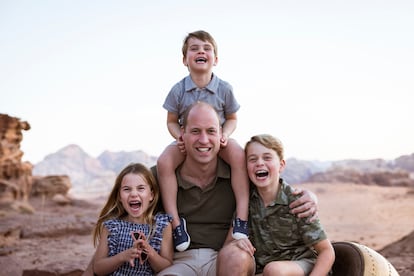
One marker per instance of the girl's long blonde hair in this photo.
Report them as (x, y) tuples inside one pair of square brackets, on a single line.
[(113, 207)]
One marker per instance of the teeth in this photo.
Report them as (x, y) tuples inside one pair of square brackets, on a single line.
[(135, 204), (203, 149), (262, 173)]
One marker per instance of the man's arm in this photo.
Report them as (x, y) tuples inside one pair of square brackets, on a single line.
[(305, 206)]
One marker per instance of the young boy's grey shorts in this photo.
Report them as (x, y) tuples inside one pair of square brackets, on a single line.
[(192, 262)]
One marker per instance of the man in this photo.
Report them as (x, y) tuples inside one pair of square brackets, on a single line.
[(205, 198)]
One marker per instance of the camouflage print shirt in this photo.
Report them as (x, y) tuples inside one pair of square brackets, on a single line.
[(279, 235)]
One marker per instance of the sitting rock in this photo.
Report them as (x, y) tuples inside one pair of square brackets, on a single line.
[(51, 185), (62, 199), (23, 207)]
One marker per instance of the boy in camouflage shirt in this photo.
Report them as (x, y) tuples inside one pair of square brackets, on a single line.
[(284, 243)]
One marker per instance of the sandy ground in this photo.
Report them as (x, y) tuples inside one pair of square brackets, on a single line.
[(371, 215), (57, 239)]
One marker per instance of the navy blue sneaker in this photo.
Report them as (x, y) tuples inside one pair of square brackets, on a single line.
[(240, 230), (181, 237)]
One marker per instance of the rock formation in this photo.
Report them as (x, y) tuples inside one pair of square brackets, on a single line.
[(51, 185), (390, 178), (21, 221), (15, 175)]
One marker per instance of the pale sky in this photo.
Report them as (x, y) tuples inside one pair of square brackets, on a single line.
[(331, 79)]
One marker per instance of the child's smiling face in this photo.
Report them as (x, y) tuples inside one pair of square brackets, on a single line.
[(200, 55), (135, 195), (263, 165)]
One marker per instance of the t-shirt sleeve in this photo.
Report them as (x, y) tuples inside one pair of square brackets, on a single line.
[(171, 103), (231, 104)]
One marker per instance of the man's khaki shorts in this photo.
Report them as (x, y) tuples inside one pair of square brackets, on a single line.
[(192, 262)]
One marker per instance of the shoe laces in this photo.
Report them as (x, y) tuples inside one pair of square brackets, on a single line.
[(177, 231), (240, 223)]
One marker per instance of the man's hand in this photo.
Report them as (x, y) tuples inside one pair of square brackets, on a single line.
[(306, 206), (245, 245)]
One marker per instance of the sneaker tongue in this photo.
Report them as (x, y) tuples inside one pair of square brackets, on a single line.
[(240, 229), (181, 237)]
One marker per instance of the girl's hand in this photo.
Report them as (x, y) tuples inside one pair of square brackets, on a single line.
[(131, 254), (142, 246)]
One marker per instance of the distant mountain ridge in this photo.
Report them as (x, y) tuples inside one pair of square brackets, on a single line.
[(95, 176), (89, 176)]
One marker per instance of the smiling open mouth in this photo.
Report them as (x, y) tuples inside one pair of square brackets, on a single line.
[(203, 149), (262, 173), (201, 60), (135, 204)]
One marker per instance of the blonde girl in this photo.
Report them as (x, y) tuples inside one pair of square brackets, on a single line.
[(130, 238)]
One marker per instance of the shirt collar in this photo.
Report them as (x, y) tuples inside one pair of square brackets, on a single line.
[(223, 171), (281, 197), (212, 86)]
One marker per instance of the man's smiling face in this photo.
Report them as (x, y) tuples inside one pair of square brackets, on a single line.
[(202, 134)]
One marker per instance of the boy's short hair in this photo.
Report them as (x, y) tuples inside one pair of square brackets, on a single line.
[(203, 36), (269, 142)]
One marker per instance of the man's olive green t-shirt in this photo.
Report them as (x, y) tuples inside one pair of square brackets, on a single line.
[(208, 212)]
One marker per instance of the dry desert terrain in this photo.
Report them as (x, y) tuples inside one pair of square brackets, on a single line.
[(56, 240)]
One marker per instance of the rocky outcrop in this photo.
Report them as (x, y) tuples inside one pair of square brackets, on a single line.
[(298, 171), (401, 254), (15, 175), (391, 178), (37, 209), (405, 162), (51, 185)]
